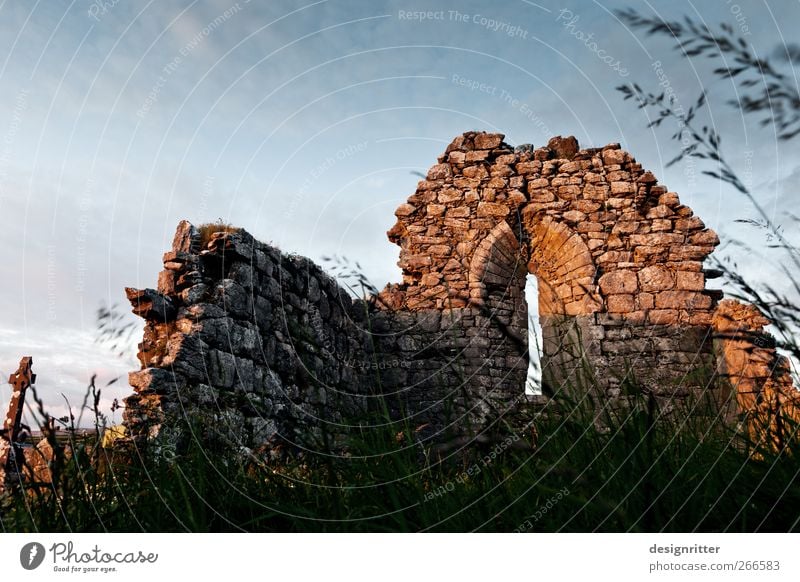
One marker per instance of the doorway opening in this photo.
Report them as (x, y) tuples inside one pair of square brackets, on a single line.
[(533, 381)]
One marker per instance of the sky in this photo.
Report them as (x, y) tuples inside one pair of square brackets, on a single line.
[(304, 123)]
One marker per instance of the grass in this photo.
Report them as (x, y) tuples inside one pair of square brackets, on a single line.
[(209, 228), (685, 473)]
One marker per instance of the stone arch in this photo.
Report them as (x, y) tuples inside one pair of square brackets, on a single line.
[(562, 262), (496, 266), (555, 254), (496, 278), (566, 273)]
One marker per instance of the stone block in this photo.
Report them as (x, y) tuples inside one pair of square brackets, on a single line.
[(488, 141), (622, 303), (440, 172), (691, 280), (618, 282), (493, 209), (656, 278)]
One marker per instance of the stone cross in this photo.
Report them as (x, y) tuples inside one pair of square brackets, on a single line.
[(20, 382)]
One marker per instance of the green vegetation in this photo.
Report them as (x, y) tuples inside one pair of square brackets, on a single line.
[(640, 473)]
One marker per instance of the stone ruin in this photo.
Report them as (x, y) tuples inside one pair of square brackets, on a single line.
[(252, 348), (13, 430)]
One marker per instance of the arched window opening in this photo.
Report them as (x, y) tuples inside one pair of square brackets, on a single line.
[(533, 382)]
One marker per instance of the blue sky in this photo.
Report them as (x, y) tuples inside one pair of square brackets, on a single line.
[(303, 122)]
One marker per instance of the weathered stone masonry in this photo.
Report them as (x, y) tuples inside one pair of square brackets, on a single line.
[(256, 346), (618, 258)]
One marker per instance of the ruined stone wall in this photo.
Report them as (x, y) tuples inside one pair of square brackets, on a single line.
[(764, 396), (246, 343), (245, 347), (253, 346), (619, 259)]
